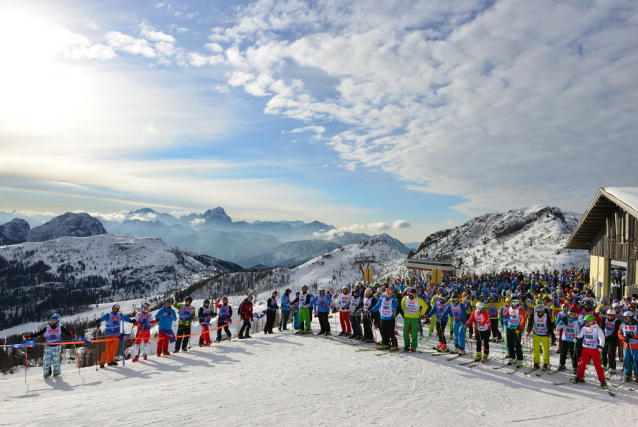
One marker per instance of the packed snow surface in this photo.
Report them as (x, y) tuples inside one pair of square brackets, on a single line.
[(285, 379)]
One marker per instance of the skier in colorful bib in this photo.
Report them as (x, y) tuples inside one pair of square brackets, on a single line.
[(143, 322), (457, 312), (438, 309), (538, 323), (271, 312), (322, 304), (114, 327), (369, 301), (224, 318), (515, 325), (413, 308), (387, 306), (481, 318), (53, 335), (246, 314), (628, 334), (493, 308), (186, 315), (304, 300), (593, 339), (165, 316), (343, 303), (285, 310), (570, 327), (205, 315)]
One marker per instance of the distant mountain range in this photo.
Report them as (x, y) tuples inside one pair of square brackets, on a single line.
[(69, 224)]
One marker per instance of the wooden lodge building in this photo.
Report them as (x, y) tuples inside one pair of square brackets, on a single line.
[(609, 231)]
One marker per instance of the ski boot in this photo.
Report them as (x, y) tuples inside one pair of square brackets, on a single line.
[(511, 362), (536, 366), (247, 336), (166, 353), (413, 350), (57, 374), (383, 347), (327, 334), (603, 384), (478, 357), (577, 380), (113, 363), (484, 358), (135, 359), (545, 366), (229, 338), (342, 334), (145, 357), (45, 376), (101, 367), (561, 368), (627, 378), (321, 333), (394, 348), (462, 352), (406, 349)]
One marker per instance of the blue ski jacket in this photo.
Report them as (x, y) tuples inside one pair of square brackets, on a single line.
[(166, 322)]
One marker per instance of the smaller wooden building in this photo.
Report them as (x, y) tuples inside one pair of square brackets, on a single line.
[(609, 231)]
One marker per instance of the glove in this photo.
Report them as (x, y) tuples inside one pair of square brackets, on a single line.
[(165, 314), (98, 323), (72, 336), (629, 335), (136, 324), (27, 337), (600, 348), (154, 322)]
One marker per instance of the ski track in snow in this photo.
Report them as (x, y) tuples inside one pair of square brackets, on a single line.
[(288, 379)]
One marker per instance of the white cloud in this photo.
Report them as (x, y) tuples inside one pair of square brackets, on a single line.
[(129, 44), (400, 223), (87, 23), (379, 226), (506, 105), (114, 216), (197, 60), (221, 88), (338, 232), (197, 221), (214, 47), (148, 32), (317, 130)]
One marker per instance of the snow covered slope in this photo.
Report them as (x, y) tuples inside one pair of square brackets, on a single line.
[(524, 239), (280, 379)]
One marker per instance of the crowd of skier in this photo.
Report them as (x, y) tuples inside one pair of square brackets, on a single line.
[(543, 310)]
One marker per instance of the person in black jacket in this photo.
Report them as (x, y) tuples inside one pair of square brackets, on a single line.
[(369, 301), (610, 325), (271, 313), (246, 313)]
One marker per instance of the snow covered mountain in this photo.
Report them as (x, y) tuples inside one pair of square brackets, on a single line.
[(69, 224), (71, 272), (525, 239)]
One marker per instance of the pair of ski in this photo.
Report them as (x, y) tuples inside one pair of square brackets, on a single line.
[(534, 369), (606, 388)]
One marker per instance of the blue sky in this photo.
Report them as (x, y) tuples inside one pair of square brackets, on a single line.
[(358, 114)]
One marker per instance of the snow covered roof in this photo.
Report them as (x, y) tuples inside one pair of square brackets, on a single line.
[(606, 202)]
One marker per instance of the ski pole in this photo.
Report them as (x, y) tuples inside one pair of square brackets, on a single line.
[(26, 363), (77, 354)]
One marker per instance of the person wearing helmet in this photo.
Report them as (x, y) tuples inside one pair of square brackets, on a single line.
[(285, 310), (246, 314), (143, 322), (458, 313), (343, 304), (369, 301), (165, 318), (593, 340), (186, 316), (303, 301), (628, 334), (413, 308), (271, 312), (114, 327), (53, 332), (205, 315), (587, 309), (387, 306), (569, 327), (356, 305), (538, 323), (322, 304), (224, 318), (610, 324), (439, 309), (481, 318)]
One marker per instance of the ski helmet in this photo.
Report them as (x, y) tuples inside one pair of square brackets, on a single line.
[(207, 301), (616, 306), (304, 287), (146, 306), (368, 291), (345, 289), (116, 305), (225, 298), (168, 300), (388, 293), (611, 312), (628, 316), (322, 289), (412, 291), (249, 296), (590, 318), (480, 306), (57, 318), (515, 301), (539, 307), (189, 299)]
